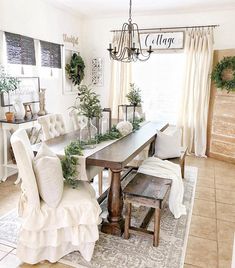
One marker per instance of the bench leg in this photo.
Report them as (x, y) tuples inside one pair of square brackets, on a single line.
[(100, 182), (182, 168), (127, 220), (156, 227)]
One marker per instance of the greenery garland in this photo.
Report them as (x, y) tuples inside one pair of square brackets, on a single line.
[(75, 69), (69, 162), (136, 123), (69, 166), (217, 75)]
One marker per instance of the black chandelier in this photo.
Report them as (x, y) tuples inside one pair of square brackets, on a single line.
[(128, 47)]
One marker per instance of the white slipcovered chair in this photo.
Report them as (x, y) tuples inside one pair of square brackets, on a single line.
[(49, 233), (52, 126), (78, 122)]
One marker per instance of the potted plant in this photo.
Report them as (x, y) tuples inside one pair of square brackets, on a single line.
[(134, 98), (8, 84), (89, 106)]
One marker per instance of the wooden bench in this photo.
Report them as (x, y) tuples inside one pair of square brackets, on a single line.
[(150, 192), (180, 160)]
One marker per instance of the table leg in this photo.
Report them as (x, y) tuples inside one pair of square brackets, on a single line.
[(114, 224)]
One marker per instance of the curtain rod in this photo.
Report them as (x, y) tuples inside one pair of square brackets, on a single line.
[(177, 27)]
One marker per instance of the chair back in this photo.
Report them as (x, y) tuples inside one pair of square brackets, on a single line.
[(52, 126), (24, 155), (79, 121)]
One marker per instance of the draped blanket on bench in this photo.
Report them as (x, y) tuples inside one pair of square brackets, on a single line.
[(164, 169)]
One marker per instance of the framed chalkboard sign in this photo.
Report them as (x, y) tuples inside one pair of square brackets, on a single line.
[(27, 91)]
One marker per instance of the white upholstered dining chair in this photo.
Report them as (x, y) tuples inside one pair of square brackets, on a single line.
[(78, 122), (49, 233), (52, 126)]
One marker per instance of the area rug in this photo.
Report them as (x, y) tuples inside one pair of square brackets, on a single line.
[(136, 252)]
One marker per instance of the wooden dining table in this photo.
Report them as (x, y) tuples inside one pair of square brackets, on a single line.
[(115, 156)]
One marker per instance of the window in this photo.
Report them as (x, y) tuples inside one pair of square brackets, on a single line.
[(160, 81), (50, 55), (20, 49)]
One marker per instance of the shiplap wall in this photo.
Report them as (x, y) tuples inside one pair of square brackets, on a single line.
[(221, 132)]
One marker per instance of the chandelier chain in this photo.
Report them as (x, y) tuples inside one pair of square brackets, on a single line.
[(130, 11)]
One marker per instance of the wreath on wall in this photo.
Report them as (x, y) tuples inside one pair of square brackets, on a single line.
[(226, 64), (75, 69)]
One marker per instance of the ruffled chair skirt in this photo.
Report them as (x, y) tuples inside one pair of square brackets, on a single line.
[(51, 233), (34, 247)]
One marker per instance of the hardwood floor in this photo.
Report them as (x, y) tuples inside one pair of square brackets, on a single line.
[(212, 227)]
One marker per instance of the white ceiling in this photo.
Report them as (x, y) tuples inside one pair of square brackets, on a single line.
[(99, 8)]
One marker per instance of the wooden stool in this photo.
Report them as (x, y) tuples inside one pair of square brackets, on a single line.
[(180, 160), (150, 192)]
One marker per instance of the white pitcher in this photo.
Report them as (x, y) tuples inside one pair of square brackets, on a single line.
[(18, 109)]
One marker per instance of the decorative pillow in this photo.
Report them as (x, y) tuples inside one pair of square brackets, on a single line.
[(168, 146), (49, 176), (124, 127)]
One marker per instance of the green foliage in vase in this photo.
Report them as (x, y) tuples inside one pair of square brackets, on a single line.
[(134, 96), (75, 69), (89, 104)]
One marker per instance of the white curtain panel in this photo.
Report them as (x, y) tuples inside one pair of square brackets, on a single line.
[(196, 90), (121, 77)]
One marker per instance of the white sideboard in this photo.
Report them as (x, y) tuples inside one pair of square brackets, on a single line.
[(6, 127)]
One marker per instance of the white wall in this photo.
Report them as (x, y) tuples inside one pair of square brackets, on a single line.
[(97, 36), (37, 19)]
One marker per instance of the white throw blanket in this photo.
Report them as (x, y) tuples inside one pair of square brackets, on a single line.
[(165, 169)]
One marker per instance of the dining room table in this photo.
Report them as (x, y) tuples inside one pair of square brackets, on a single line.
[(114, 156)]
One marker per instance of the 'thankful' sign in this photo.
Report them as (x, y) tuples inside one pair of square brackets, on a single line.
[(162, 40)]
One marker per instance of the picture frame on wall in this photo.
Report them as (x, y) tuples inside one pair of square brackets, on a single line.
[(27, 92), (68, 87), (97, 72)]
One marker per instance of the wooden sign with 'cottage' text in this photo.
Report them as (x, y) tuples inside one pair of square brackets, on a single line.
[(162, 40)]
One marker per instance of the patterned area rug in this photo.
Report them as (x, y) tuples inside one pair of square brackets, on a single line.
[(137, 252)]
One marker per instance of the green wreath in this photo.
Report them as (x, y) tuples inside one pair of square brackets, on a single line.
[(227, 63), (75, 69)]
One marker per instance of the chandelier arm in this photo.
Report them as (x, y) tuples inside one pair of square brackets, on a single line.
[(145, 57), (121, 42), (138, 36)]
